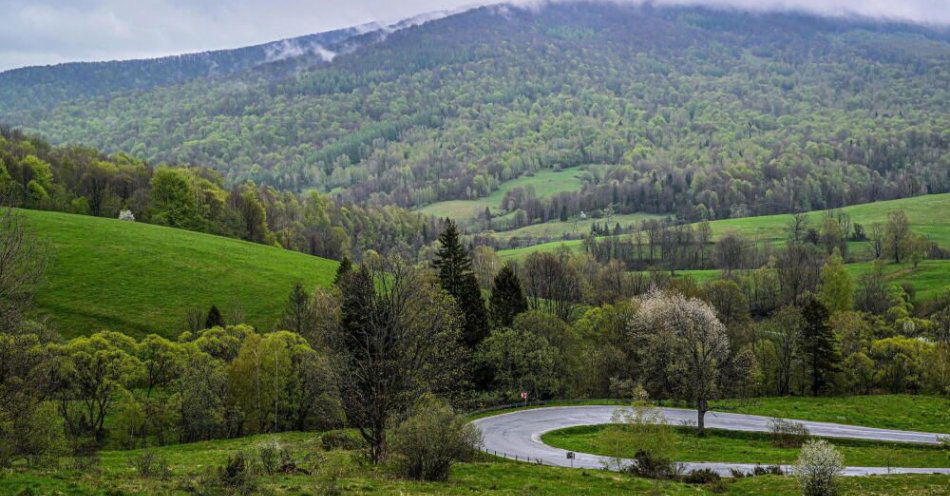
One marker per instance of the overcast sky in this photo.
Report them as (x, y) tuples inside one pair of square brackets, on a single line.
[(38, 32)]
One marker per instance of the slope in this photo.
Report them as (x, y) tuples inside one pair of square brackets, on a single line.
[(731, 112), (139, 278)]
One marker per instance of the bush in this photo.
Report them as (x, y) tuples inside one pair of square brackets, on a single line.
[(701, 476), (787, 434), (649, 465), (150, 464), (341, 440), (275, 458), (238, 475), (818, 468), (430, 440)]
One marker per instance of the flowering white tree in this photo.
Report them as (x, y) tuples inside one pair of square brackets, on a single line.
[(127, 215), (818, 467), (693, 323)]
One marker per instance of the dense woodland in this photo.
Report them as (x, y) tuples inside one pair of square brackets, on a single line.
[(81, 180), (700, 113)]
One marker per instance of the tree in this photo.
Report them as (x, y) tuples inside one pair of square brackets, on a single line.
[(90, 374), (551, 284), (836, 291), (897, 235), (174, 200), (818, 344), (457, 279), (507, 298), (799, 270), (22, 265), (398, 338), (876, 240), (818, 467), (214, 319), (342, 270), (162, 359), (703, 338), (783, 329), (299, 315), (520, 361)]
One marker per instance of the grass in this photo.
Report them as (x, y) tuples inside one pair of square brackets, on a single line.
[(496, 478), (929, 279), (546, 183), (746, 447), (557, 228), (138, 278), (889, 411), (929, 215)]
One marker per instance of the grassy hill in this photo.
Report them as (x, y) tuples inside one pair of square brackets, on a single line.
[(928, 214), (139, 278), (545, 183)]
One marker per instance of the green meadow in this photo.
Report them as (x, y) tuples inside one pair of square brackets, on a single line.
[(139, 278)]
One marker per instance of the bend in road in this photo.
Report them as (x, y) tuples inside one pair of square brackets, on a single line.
[(518, 434)]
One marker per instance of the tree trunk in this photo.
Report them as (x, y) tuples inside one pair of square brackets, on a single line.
[(701, 417)]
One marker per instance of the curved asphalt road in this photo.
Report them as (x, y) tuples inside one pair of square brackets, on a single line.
[(518, 434)]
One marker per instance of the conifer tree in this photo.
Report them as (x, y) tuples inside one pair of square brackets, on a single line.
[(214, 318), (456, 277), (507, 298), (818, 344), (298, 314), (344, 268)]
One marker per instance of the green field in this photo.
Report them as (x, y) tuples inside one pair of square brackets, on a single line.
[(888, 411), (139, 278), (340, 470), (746, 447), (546, 183), (929, 215)]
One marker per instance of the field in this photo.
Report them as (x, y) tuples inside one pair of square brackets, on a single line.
[(747, 447), (546, 183), (340, 470), (138, 278), (929, 215)]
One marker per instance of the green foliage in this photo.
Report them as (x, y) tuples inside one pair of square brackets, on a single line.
[(818, 468), (836, 291), (431, 439), (521, 361)]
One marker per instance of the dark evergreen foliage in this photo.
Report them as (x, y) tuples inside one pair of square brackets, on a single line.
[(215, 319), (454, 265), (345, 267), (507, 298), (818, 345)]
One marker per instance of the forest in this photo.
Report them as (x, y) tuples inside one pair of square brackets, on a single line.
[(696, 113)]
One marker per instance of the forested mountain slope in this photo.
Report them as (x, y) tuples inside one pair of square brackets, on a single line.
[(701, 113), (33, 89)]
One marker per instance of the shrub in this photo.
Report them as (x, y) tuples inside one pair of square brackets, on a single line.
[(267, 454), (787, 434), (818, 468), (701, 476), (647, 464), (429, 441), (238, 475), (150, 464)]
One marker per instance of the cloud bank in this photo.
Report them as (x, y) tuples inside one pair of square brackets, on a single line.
[(39, 32)]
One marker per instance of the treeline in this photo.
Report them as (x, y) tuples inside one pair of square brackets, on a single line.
[(701, 113), (81, 180), (362, 352)]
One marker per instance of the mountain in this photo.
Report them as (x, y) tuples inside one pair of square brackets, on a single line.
[(689, 111)]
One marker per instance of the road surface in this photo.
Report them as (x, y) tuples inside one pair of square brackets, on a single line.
[(518, 435)]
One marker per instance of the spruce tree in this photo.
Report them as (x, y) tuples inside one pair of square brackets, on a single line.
[(344, 268), (355, 310), (298, 314), (507, 298), (214, 318), (456, 277), (818, 344)]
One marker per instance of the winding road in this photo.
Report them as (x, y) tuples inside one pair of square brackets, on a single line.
[(518, 435)]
